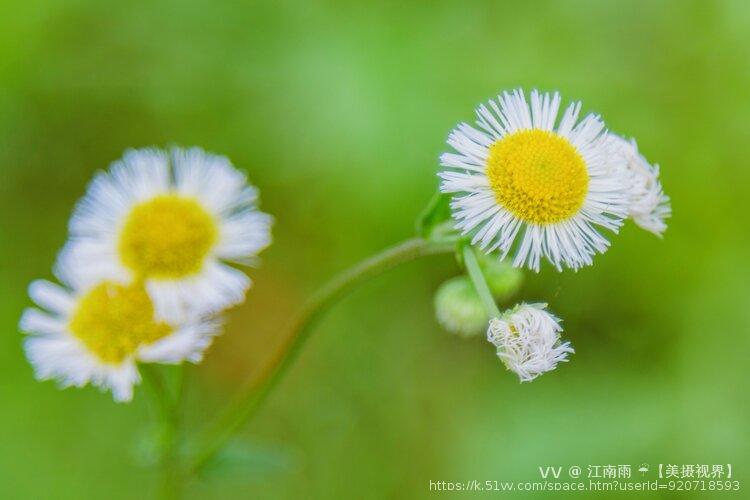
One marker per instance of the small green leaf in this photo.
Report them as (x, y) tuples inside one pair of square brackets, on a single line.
[(241, 457), (435, 215)]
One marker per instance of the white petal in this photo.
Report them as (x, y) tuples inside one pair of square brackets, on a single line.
[(120, 380), (60, 357), (212, 179), (64, 359), (217, 287), (37, 322), (244, 235), (139, 175), (85, 262), (52, 297), (188, 343)]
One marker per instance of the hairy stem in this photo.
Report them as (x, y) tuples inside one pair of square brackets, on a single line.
[(250, 399)]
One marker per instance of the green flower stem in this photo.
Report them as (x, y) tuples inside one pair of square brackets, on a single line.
[(168, 410), (480, 284), (158, 389), (251, 398)]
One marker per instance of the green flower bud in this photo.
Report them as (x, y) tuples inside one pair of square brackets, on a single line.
[(503, 279), (459, 309)]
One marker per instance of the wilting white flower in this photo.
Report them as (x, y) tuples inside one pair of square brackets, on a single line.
[(95, 333), (528, 341), (519, 176), (172, 220), (649, 206)]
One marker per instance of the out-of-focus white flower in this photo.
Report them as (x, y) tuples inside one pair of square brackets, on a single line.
[(649, 206), (96, 334), (171, 220), (522, 181), (528, 340)]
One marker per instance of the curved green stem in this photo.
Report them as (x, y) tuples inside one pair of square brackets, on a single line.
[(251, 398), (480, 283)]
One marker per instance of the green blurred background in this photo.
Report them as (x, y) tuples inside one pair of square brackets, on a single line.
[(338, 112)]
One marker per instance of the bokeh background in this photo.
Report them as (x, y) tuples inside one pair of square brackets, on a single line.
[(338, 112)]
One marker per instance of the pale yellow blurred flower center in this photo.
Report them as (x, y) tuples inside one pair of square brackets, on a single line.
[(113, 320), (167, 237), (538, 176)]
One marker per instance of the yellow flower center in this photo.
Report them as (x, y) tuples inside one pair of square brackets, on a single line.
[(538, 176), (167, 237), (114, 320)]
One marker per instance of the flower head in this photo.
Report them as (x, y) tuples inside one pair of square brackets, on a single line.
[(519, 176), (648, 206), (171, 220), (96, 333), (528, 341)]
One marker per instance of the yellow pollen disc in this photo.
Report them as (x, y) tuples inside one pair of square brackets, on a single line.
[(114, 320), (538, 176), (167, 237)]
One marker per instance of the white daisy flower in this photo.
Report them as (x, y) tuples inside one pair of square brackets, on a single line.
[(172, 219), (649, 206), (518, 176), (528, 341), (96, 334)]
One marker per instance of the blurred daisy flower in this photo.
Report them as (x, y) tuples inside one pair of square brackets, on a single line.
[(519, 176), (528, 341), (95, 333), (649, 206), (171, 220)]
